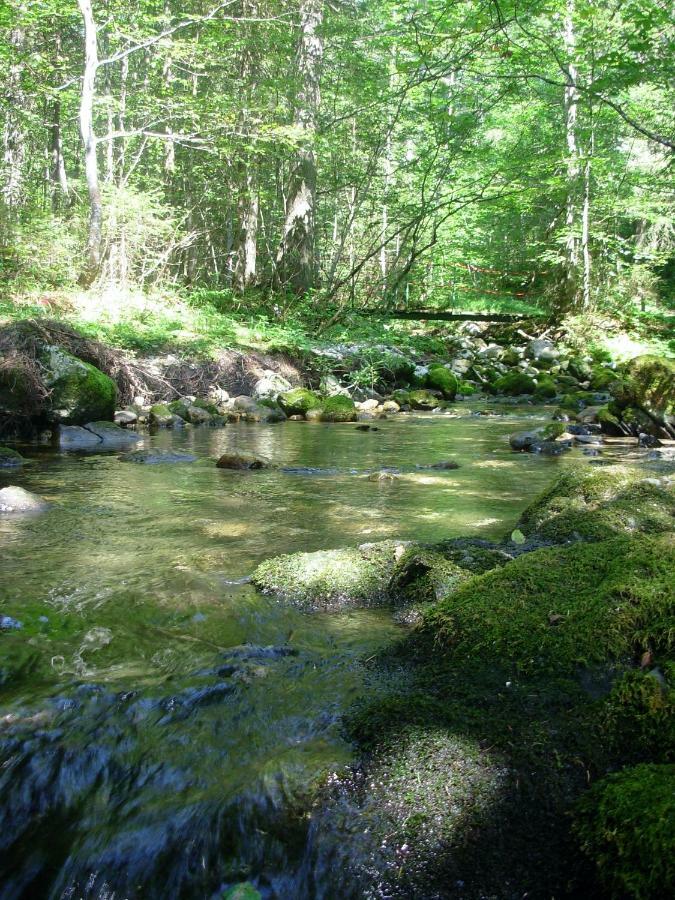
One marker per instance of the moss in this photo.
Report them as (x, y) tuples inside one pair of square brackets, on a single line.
[(545, 389), (637, 719), (559, 608), (401, 397), (207, 406), (599, 502), (609, 423), (338, 409), (514, 384), (580, 369), (553, 431), (331, 578), (161, 414), (443, 380), (465, 387), (176, 407), (424, 574), (80, 392), (10, 458), (648, 383), (626, 826), (244, 891), (423, 400), (298, 401), (602, 378)]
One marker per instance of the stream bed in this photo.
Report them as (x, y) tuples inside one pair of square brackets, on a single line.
[(162, 725)]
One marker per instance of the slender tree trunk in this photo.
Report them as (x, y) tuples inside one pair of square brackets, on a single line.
[(246, 262), (571, 267), (93, 251), (296, 260), (13, 138), (58, 166)]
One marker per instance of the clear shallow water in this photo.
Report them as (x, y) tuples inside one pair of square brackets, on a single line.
[(158, 717)]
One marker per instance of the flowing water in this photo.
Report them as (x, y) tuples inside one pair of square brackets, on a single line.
[(161, 723)]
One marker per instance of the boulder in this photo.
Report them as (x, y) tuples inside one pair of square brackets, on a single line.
[(541, 349), (298, 401), (423, 400), (161, 416), (16, 499), (125, 417), (95, 436), (443, 380), (545, 389), (236, 460), (391, 406), (10, 459), (79, 391), (330, 387), (270, 386), (648, 384), (514, 384), (338, 409)]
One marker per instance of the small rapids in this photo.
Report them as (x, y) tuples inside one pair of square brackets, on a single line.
[(164, 729)]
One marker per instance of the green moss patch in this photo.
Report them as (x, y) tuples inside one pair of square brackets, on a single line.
[(331, 579), (10, 459), (564, 607), (514, 384), (600, 502), (626, 826), (338, 409), (298, 401), (443, 380)]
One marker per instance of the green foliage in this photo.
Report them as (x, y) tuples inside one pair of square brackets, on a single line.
[(638, 717), (626, 825)]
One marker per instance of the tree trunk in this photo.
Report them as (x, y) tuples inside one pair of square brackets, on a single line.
[(570, 288), (13, 138), (93, 251), (296, 262), (58, 166)]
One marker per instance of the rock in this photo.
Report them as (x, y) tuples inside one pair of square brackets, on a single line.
[(447, 465), (332, 579), (10, 459), (514, 384), (383, 477), (153, 457), (298, 401), (367, 405), (79, 391), (545, 389), (609, 423), (525, 440), (161, 416), (589, 415), (443, 380), (588, 438), (541, 349), (95, 436), (663, 453), (492, 351), (242, 403), (648, 384), (366, 416), (16, 499), (264, 413), (218, 395), (197, 415), (366, 428), (242, 461), (331, 387), (338, 409), (423, 400), (460, 366), (270, 386), (390, 406), (313, 415), (597, 503), (125, 417)]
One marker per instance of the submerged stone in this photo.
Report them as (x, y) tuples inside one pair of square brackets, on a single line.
[(155, 457), (95, 436), (10, 459), (242, 461), (16, 499), (332, 579)]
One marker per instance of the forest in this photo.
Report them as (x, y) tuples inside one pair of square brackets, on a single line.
[(337, 449)]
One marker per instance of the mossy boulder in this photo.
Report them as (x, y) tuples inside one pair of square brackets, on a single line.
[(609, 423), (443, 380), (580, 368), (648, 383), (602, 378), (423, 400), (424, 574), (595, 503), (298, 401), (545, 389), (332, 579), (560, 608), (10, 459), (162, 415), (637, 718), (626, 825), (79, 392), (401, 397), (338, 409), (513, 384)]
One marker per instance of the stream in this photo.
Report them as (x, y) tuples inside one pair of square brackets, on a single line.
[(162, 724)]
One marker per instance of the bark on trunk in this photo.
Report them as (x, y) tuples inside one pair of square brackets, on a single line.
[(296, 263), (570, 287), (13, 138), (93, 251)]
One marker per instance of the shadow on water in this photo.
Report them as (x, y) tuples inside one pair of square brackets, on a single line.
[(162, 725)]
